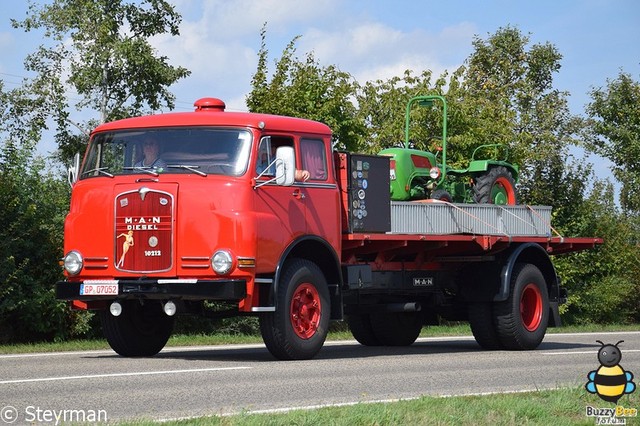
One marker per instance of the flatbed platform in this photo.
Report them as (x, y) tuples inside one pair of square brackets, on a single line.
[(440, 231)]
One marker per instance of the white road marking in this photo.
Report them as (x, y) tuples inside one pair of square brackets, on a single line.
[(625, 351), (138, 373)]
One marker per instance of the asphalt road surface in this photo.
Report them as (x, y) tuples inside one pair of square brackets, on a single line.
[(195, 381)]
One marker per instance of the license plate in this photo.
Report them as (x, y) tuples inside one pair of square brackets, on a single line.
[(97, 288)]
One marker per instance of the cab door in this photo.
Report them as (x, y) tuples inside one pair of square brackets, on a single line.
[(280, 210)]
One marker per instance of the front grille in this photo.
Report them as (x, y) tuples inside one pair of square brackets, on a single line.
[(143, 233)]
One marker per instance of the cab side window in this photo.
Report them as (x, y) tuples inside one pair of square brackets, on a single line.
[(267, 153), (314, 158)]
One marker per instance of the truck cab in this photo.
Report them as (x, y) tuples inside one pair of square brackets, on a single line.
[(211, 217)]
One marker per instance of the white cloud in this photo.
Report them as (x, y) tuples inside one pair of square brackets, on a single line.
[(372, 51), (219, 41)]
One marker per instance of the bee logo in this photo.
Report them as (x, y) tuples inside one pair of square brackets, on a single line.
[(610, 381)]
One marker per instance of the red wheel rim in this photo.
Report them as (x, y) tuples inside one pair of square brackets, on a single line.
[(305, 311), (503, 192), (531, 307)]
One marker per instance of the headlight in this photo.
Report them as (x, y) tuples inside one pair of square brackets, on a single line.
[(222, 262), (73, 262), (434, 173)]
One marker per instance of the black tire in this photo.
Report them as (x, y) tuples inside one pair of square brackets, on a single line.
[(442, 195), (521, 320), (360, 326), (482, 326), (397, 328), (298, 327), (496, 186), (140, 330)]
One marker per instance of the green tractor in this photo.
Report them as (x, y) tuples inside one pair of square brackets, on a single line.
[(419, 174)]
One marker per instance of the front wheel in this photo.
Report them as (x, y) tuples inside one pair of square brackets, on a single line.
[(298, 327), (441, 195), (496, 186), (140, 330), (521, 320)]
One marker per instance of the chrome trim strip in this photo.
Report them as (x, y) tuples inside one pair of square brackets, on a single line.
[(179, 281), (98, 282), (263, 309)]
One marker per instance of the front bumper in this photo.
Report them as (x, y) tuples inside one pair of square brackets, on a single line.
[(227, 290)]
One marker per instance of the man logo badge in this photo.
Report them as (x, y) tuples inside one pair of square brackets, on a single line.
[(423, 282)]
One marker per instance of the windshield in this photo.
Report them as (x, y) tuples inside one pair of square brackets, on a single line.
[(199, 150)]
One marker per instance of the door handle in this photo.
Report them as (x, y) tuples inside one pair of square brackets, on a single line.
[(298, 194)]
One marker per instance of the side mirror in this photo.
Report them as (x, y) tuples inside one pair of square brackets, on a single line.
[(74, 169), (285, 166)]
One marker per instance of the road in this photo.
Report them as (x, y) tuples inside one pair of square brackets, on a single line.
[(195, 381)]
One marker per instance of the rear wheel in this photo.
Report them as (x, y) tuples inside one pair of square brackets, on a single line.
[(496, 186), (360, 326), (521, 320), (298, 327), (482, 326), (397, 328), (140, 330)]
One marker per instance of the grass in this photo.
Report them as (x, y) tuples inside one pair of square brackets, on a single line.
[(566, 406), (225, 339)]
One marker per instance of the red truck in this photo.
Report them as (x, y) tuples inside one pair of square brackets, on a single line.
[(186, 213)]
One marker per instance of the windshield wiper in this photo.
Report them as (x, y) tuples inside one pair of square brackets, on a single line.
[(100, 170), (146, 169), (193, 169)]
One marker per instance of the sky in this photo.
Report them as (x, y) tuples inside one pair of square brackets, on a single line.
[(219, 39)]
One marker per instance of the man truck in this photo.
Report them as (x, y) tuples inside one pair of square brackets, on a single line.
[(222, 226)]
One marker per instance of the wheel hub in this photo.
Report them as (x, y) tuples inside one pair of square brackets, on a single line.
[(531, 307), (502, 192), (305, 311)]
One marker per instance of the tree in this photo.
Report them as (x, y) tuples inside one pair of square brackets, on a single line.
[(603, 282), (34, 204), (615, 134), (307, 90), (100, 49), (508, 89), (381, 107)]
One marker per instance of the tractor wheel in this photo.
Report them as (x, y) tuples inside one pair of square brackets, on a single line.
[(397, 328), (298, 327), (496, 186), (140, 330), (521, 320), (442, 195), (360, 326)]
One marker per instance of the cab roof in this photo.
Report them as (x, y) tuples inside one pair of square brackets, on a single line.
[(211, 112)]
